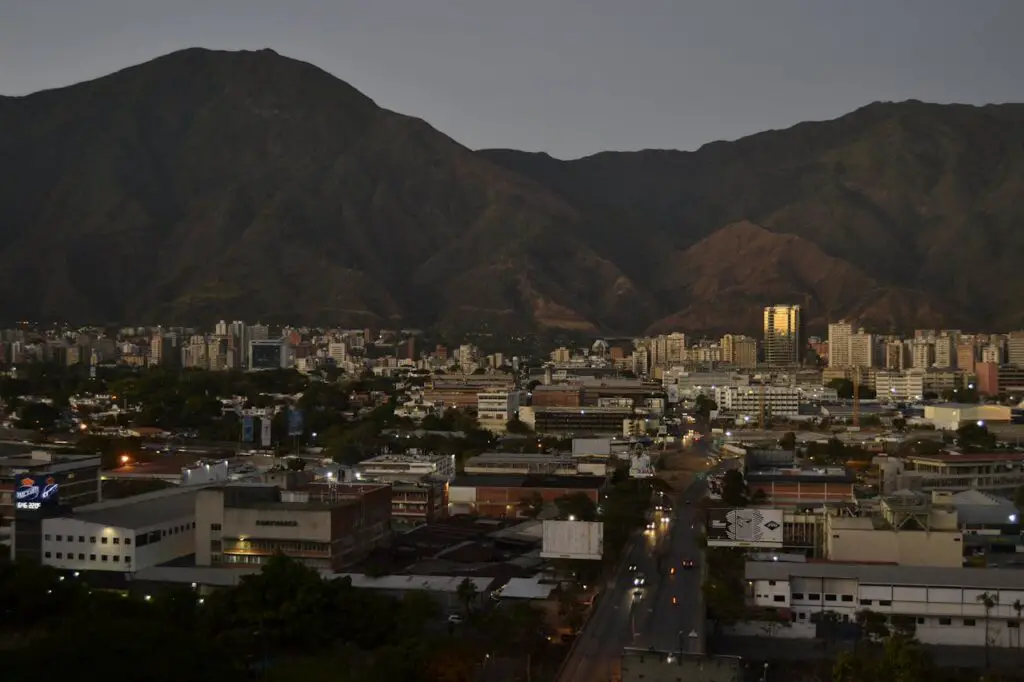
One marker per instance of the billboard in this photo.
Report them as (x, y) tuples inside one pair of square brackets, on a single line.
[(265, 354), (294, 421), (672, 392), (33, 492), (744, 527), (265, 423), (573, 540), (640, 465), (248, 430)]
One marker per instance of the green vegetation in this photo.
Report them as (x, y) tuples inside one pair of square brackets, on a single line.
[(284, 624), (724, 586), (899, 658)]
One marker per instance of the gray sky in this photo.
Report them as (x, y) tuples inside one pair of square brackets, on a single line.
[(570, 77)]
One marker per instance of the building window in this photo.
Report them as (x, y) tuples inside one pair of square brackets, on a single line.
[(117, 559), (884, 602), (814, 597), (59, 555), (59, 538), (92, 557), (46, 537), (798, 595), (127, 541), (771, 582), (92, 539), (46, 555), (779, 597), (830, 597), (81, 557), (117, 541), (865, 602), (847, 597), (969, 622), (214, 526), (127, 559), (103, 540), (945, 621), (103, 557), (81, 538), (920, 621), (1013, 623)]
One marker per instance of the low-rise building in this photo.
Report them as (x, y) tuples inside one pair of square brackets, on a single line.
[(535, 463), (327, 527), (946, 606), (496, 408), (986, 471), (951, 416), (123, 535), (570, 420), (501, 496), (389, 467), (802, 487)]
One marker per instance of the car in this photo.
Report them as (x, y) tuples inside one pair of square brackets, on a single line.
[(455, 618), (639, 580), (632, 568), (687, 563), (650, 526)]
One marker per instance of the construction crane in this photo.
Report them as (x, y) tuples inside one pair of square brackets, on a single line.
[(856, 397)]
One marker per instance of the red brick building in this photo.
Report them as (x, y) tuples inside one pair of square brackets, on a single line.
[(500, 496)]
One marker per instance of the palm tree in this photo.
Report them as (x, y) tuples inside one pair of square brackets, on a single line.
[(989, 601), (1018, 607)]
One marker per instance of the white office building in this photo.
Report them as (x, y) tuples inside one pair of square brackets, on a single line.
[(900, 385), (124, 535), (779, 401), (405, 467), (946, 605), (494, 409)]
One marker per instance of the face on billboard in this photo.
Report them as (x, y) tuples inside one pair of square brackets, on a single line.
[(34, 492)]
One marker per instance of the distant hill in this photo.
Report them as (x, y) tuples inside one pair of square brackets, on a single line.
[(207, 184)]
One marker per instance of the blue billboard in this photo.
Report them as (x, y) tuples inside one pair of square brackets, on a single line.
[(248, 430), (294, 421), (33, 492)]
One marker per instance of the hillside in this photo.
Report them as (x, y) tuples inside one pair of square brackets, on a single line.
[(207, 184)]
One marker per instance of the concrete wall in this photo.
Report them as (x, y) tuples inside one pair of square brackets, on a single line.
[(908, 547)]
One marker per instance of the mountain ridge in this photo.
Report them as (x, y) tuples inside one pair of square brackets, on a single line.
[(207, 184)]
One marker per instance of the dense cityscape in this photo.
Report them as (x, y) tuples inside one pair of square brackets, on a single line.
[(598, 510)]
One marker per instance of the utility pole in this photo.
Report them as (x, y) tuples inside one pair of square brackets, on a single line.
[(856, 396)]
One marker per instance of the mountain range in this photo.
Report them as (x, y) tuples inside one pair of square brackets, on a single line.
[(205, 185)]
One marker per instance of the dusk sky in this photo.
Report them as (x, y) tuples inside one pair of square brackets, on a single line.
[(569, 77)]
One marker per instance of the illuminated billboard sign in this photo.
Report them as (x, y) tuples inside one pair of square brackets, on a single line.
[(35, 492)]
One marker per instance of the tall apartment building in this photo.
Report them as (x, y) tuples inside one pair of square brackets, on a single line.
[(966, 356), (945, 351), (922, 354), (862, 349), (783, 335), (338, 352), (1015, 349), (839, 334), (668, 349), (739, 350)]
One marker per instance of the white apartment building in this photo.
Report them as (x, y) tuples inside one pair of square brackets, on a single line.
[(337, 351), (124, 535), (385, 467), (494, 409), (780, 401), (839, 334), (922, 354), (946, 604), (900, 385), (862, 349)]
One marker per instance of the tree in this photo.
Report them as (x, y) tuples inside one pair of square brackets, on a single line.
[(467, 595), (901, 660), (576, 507), (39, 416), (734, 489), (531, 505), (989, 601), (788, 441), (516, 427), (704, 406), (571, 609), (974, 436)]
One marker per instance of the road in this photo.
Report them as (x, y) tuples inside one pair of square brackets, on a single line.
[(649, 619)]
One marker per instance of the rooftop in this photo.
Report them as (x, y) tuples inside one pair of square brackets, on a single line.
[(429, 583), (526, 588), (967, 457), (803, 475), (142, 511), (530, 481), (44, 460), (874, 574)]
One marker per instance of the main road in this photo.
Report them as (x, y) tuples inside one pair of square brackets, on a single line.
[(624, 617)]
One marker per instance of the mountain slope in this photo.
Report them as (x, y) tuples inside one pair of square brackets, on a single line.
[(207, 184), (918, 197)]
